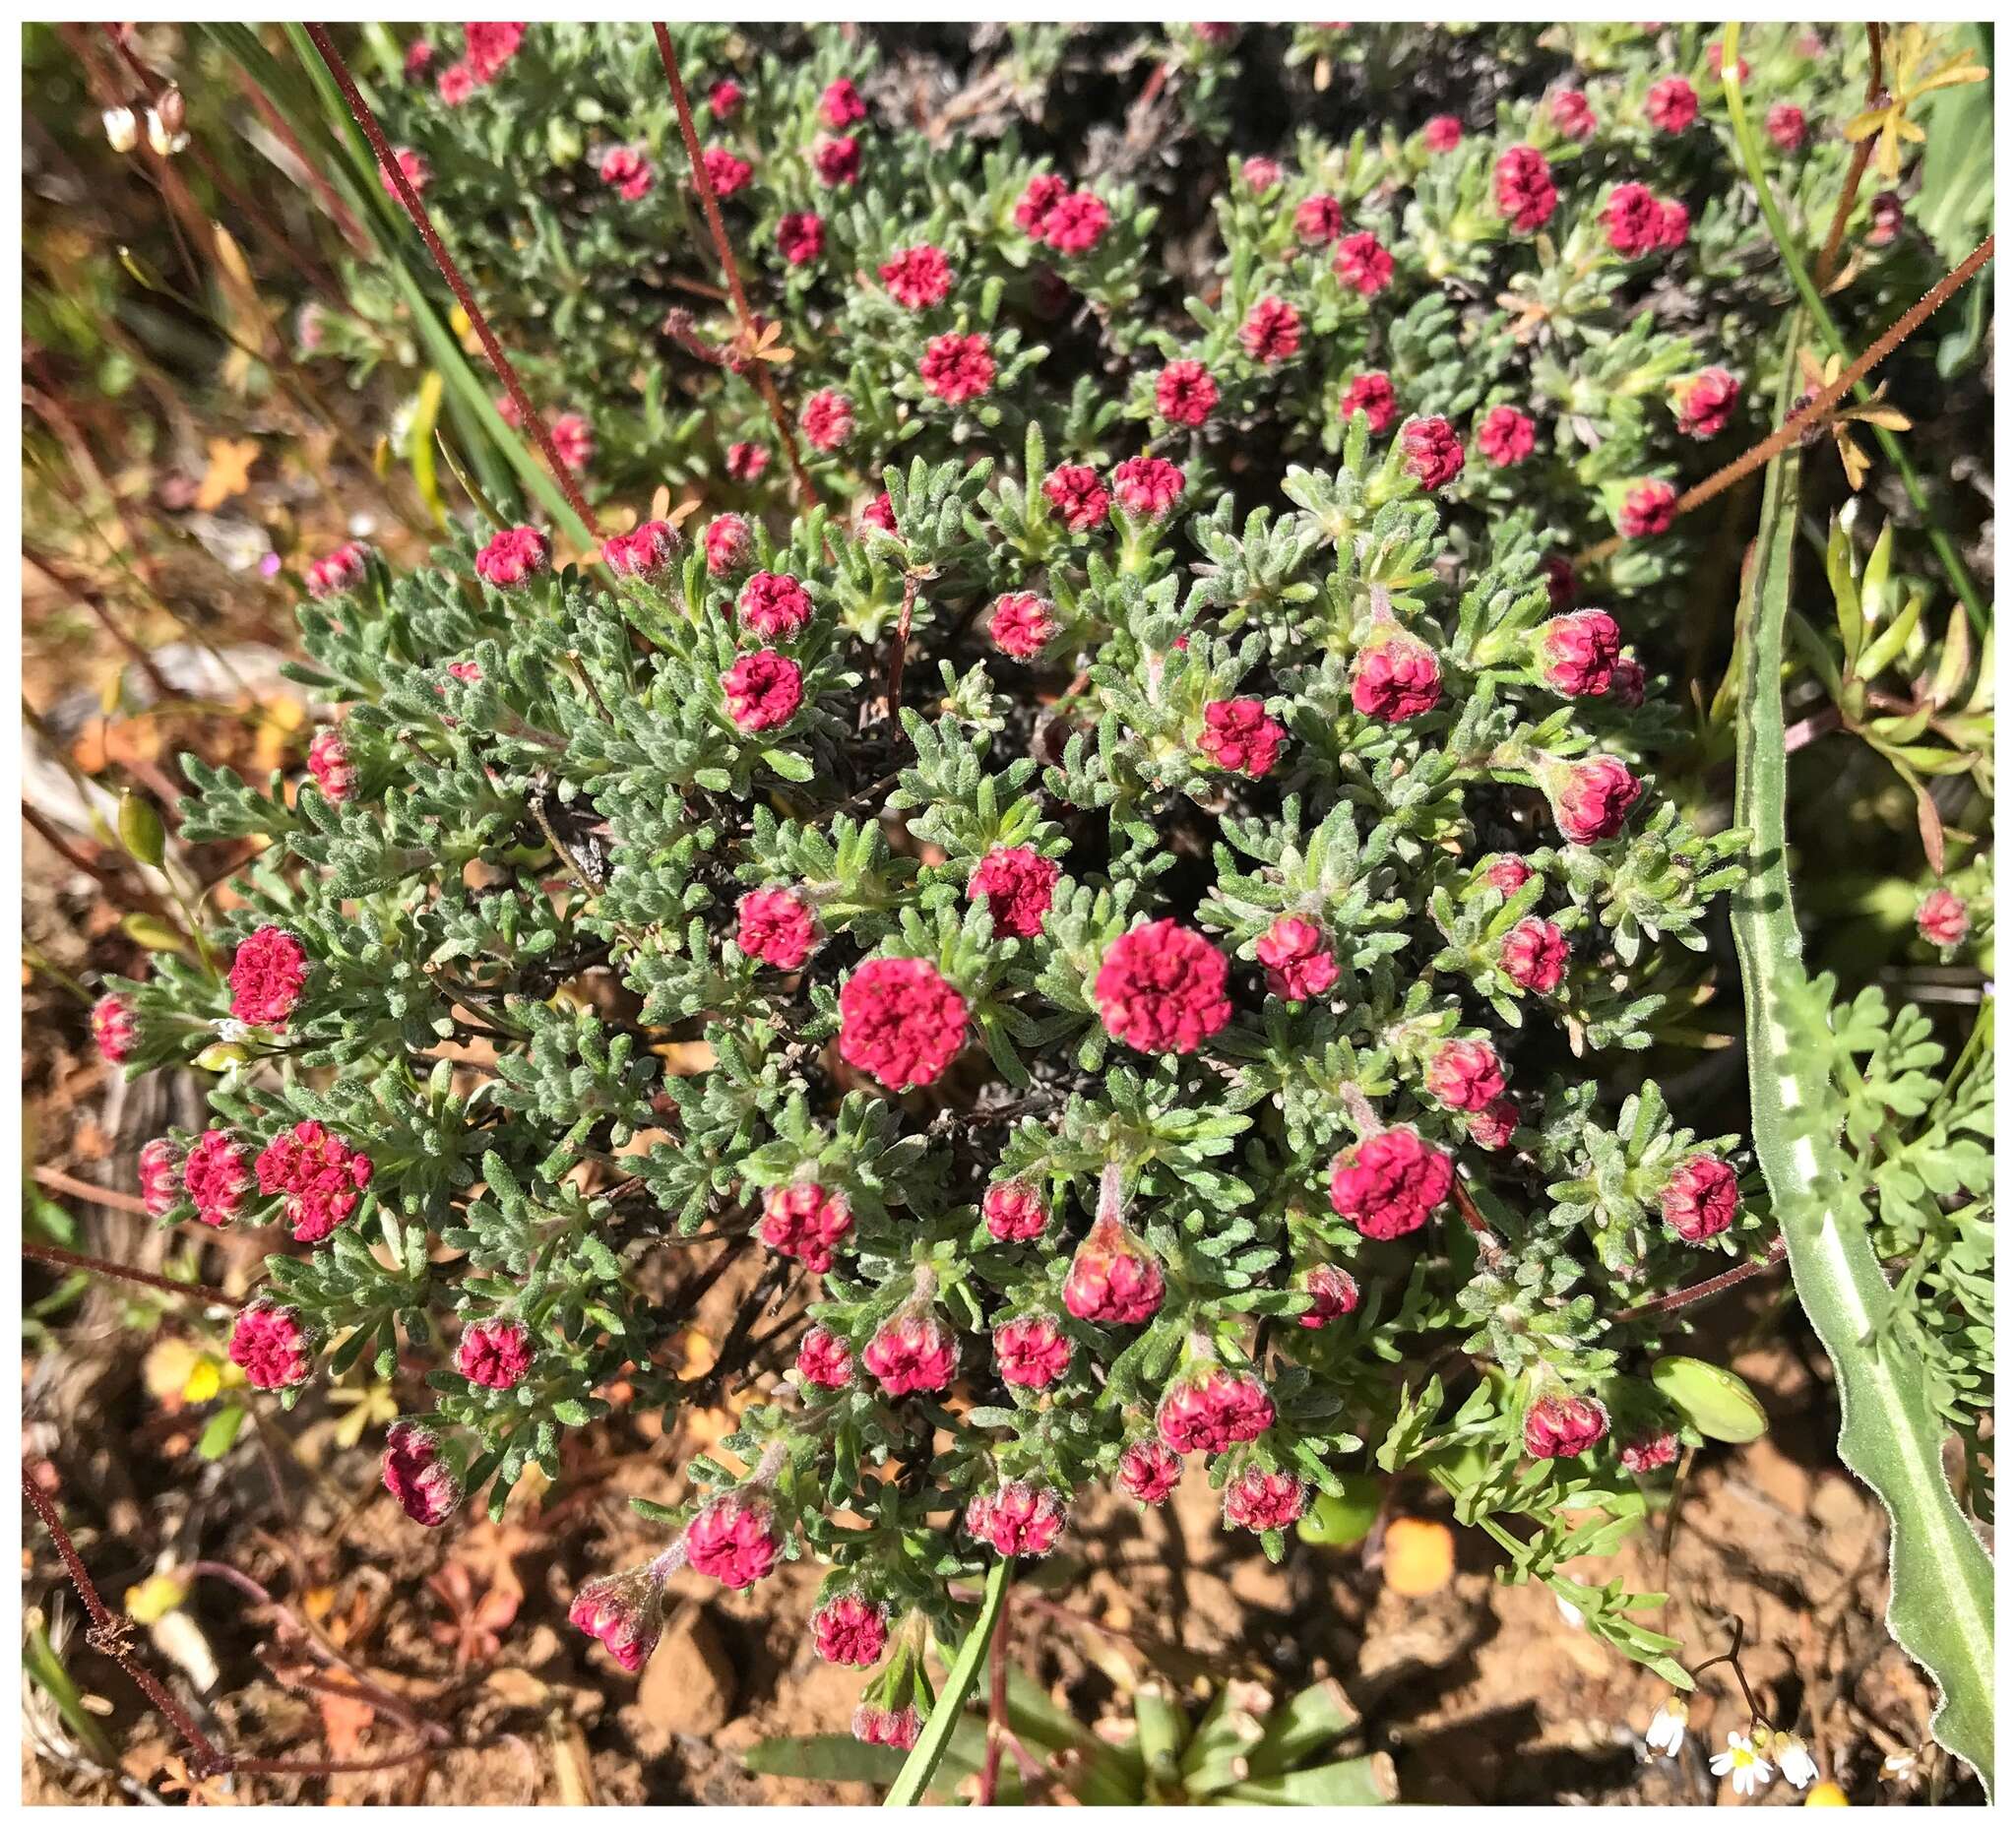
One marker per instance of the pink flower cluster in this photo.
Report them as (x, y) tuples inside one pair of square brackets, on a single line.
[(1299, 960), (1391, 1183), (1020, 1519), (266, 973), (806, 1220), (901, 1022), (321, 1176), (1113, 1278), (1072, 221), (1240, 738), (1212, 1410), (913, 1351), (1018, 884), (1162, 989), (734, 1539)]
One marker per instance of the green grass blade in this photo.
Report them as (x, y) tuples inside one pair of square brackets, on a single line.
[(1941, 1580), (922, 1762)]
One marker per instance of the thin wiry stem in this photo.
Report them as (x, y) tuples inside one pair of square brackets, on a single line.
[(388, 164)]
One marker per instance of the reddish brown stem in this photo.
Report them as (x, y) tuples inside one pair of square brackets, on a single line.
[(108, 1636), (119, 1272), (60, 1182), (1704, 1291), (276, 124), (1857, 166), (113, 881), (65, 580), (1815, 411), (361, 112), (724, 251)]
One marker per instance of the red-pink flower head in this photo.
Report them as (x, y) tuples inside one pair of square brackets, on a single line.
[(746, 462), (1671, 104), (320, 1174), (827, 420), (1319, 219), (1572, 115), (1213, 1411), (1258, 1500), (215, 1174), (733, 1539), (881, 511), (1030, 1351), (271, 1347), (1699, 1199), (727, 544), (1185, 393), (1372, 395), (1942, 919), (806, 1220), (763, 690), (490, 44), (1649, 1452), (777, 927), (114, 1027), (627, 171), (1647, 510), (343, 569), (1707, 400), (1020, 1519), (267, 975), (957, 368), (1594, 798), (881, 1725), (1627, 681), (494, 1354), (1523, 186), (331, 768), (1434, 453), (1632, 219), (1148, 487), (1018, 884), (901, 1022), (160, 1171), (1078, 495), (1505, 435), (850, 1631), (643, 553), (420, 1476), (1022, 624), (1299, 960), (1114, 1279), (774, 606), (841, 104), (1492, 1126), (725, 172), (1578, 652), (913, 1349), (1464, 1075), (917, 277), (1331, 1295), (800, 238), (514, 557), (1509, 874), (724, 98), (1271, 332), (626, 1611), (1260, 174), (1442, 134), (1559, 1428), (420, 59), (1534, 955), (1240, 738), (1785, 123), (1363, 264), (1014, 1212), (1391, 1183), (1076, 224), (1046, 191), (825, 1361), (1148, 1472), (836, 161), (1396, 679), (1162, 989)]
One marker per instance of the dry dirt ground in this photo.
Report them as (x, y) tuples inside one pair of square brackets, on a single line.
[(1479, 1692)]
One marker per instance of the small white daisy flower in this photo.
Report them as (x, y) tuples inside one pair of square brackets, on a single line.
[(1795, 1763), (1668, 1730), (1742, 1764)]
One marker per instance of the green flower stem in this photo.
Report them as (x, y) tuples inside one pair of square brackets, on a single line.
[(922, 1762), (1893, 449)]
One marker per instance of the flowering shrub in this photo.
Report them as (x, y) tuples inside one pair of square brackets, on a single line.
[(1147, 930)]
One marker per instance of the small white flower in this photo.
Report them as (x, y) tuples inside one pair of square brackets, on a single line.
[(1795, 1763), (122, 129), (230, 1029), (159, 137), (1571, 1615), (1668, 1730), (1742, 1764), (1901, 1767)]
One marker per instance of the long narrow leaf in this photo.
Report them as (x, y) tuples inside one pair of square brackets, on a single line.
[(1943, 1583), (918, 1768)]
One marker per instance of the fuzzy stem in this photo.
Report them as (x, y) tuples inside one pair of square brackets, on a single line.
[(724, 251), (99, 1266), (1852, 182), (1702, 1290), (360, 111), (1815, 412)]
